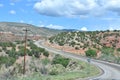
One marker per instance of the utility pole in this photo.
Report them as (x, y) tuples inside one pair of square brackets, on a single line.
[(26, 30)]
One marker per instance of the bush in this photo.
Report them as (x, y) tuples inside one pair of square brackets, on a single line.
[(76, 48), (20, 47), (21, 52), (36, 53), (8, 61), (61, 60), (7, 44), (107, 50), (61, 43), (45, 53), (33, 46), (118, 49), (91, 53), (45, 61), (11, 53), (56, 69), (3, 59), (29, 53)]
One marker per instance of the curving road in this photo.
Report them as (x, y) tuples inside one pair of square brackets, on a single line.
[(110, 71)]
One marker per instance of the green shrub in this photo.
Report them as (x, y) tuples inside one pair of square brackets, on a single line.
[(61, 60), (20, 47), (29, 53), (46, 53), (33, 46), (21, 52), (90, 53), (36, 53), (118, 49), (11, 53), (7, 44), (41, 49), (3, 59), (45, 61), (61, 43), (8, 61), (76, 48), (107, 50)]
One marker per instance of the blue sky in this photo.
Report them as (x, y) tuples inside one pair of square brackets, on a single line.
[(63, 14)]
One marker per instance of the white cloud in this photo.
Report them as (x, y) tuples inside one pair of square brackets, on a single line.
[(83, 29), (1, 5), (12, 12), (65, 7), (112, 5), (54, 26), (77, 7)]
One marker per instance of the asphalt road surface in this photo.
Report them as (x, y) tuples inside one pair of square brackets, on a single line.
[(109, 71)]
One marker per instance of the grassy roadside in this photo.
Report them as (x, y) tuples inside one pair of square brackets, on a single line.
[(88, 71)]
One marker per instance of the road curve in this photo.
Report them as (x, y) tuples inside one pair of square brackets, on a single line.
[(111, 71)]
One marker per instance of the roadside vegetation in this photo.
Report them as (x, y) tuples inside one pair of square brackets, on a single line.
[(40, 64), (74, 70)]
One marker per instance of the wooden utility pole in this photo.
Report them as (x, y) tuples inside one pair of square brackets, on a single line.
[(26, 30)]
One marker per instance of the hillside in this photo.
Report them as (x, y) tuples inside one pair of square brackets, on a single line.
[(105, 43), (17, 28)]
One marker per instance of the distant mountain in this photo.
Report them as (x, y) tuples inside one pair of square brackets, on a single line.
[(17, 28), (69, 30)]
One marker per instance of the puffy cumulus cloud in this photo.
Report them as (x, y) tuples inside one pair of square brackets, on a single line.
[(83, 29), (76, 7), (12, 12), (65, 7), (110, 5), (54, 26), (113, 5)]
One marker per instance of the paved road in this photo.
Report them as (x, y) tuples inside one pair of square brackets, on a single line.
[(110, 71)]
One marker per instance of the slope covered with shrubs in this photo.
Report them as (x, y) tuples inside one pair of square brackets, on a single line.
[(99, 42)]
